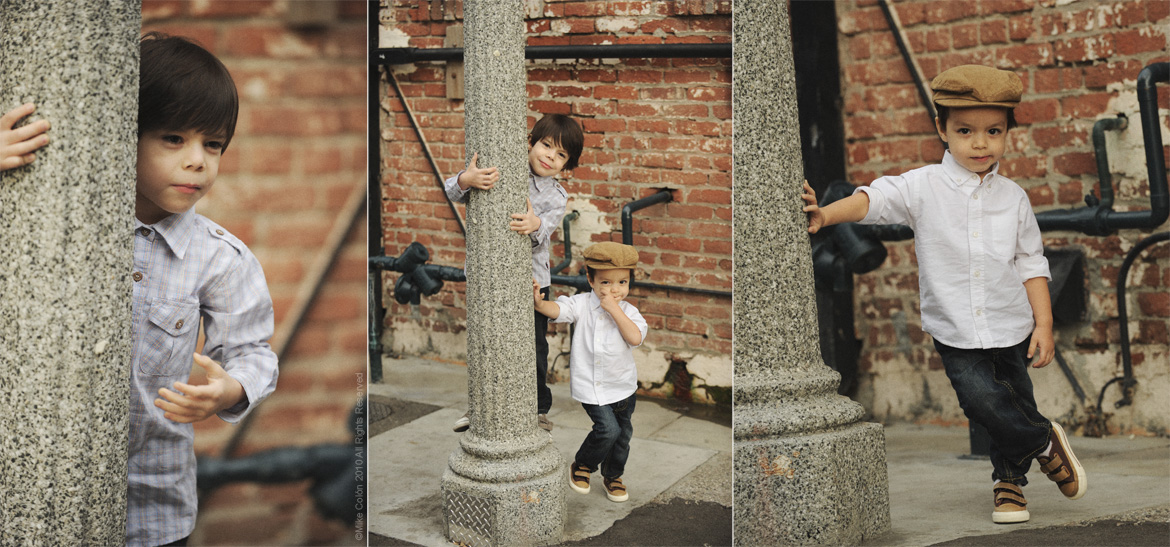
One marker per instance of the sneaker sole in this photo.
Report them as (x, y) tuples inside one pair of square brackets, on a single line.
[(578, 489), (1082, 479), (461, 425), (1010, 517), (620, 498)]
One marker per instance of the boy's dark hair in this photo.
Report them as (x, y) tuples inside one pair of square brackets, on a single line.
[(590, 272), (182, 86), (563, 131), (944, 112)]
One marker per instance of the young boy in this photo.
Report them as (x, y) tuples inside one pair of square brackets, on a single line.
[(186, 268), (601, 362), (982, 276), (553, 146)]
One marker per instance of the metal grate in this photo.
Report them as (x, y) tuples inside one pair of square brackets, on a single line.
[(469, 519)]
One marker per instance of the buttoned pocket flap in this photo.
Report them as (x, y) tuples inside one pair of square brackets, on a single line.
[(173, 318)]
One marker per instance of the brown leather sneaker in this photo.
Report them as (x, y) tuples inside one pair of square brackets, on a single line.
[(579, 478), (615, 490), (1062, 466), (1010, 506)]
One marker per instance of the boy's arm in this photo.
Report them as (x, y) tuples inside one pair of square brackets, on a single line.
[(546, 222), (17, 145), (548, 309), (457, 186), (850, 209), (238, 321), (631, 332), (1043, 344)]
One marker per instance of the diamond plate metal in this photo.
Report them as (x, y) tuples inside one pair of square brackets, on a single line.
[(469, 520)]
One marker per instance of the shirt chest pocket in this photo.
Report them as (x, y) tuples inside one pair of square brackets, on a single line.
[(169, 340)]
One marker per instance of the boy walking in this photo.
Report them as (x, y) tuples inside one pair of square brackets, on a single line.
[(553, 146), (601, 362), (982, 277), (186, 268)]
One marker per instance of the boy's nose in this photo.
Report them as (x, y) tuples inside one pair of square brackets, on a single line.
[(195, 160)]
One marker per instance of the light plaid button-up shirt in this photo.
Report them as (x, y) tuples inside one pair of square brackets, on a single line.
[(187, 268), (549, 199)]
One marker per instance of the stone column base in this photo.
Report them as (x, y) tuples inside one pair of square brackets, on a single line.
[(527, 511), (819, 488)]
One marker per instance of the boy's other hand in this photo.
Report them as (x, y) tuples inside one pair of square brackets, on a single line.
[(536, 293), (816, 219), (525, 223), (194, 403), (474, 177), (17, 145), (1043, 346), (609, 303)]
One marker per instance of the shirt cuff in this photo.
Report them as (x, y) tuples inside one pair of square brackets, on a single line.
[(1030, 267), (872, 214)]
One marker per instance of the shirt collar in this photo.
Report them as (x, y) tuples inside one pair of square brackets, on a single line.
[(961, 176), (176, 230), (539, 181), (594, 301)]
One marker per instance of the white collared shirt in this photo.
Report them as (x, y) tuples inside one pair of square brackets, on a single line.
[(601, 362), (976, 243)]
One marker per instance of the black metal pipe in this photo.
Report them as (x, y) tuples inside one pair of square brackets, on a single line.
[(1103, 220), (661, 196), (1072, 379), (407, 55), (568, 243), (1104, 177), (906, 58), (1128, 384), (374, 207), (426, 150)]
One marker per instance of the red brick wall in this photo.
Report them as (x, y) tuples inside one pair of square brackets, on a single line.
[(1078, 62), (297, 156), (649, 124)]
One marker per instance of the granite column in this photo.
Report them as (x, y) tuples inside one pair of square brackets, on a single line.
[(66, 225), (807, 469), (506, 483)]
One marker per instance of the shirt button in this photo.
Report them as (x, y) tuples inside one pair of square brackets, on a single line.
[(137, 275), (976, 274), (179, 324), (219, 232), (974, 196), (143, 231), (975, 235), (978, 312)]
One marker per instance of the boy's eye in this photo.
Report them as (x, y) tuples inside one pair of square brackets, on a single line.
[(994, 131), (172, 139), (214, 145), (963, 131)]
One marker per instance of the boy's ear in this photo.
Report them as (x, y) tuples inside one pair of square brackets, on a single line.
[(942, 133)]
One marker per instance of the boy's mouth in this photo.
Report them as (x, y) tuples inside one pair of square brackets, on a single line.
[(186, 188)]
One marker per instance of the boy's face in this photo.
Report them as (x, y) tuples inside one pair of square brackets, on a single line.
[(546, 157), (611, 283), (175, 170), (976, 137)]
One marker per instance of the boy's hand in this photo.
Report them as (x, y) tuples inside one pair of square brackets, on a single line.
[(816, 219), (474, 177), (609, 303), (1043, 346), (197, 403), (17, 145), (525, 223), (536, 296)]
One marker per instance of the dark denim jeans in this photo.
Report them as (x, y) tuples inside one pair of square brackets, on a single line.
[(608, 445), (995, 391), (543, 393)]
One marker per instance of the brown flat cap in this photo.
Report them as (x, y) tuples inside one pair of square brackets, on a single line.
[(609, 255), (970, 86)]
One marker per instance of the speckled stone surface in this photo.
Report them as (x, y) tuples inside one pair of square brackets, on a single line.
[(806, 469), (505, 461), (66, 224)]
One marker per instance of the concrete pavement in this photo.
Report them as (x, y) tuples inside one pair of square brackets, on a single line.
[(681, 456)]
